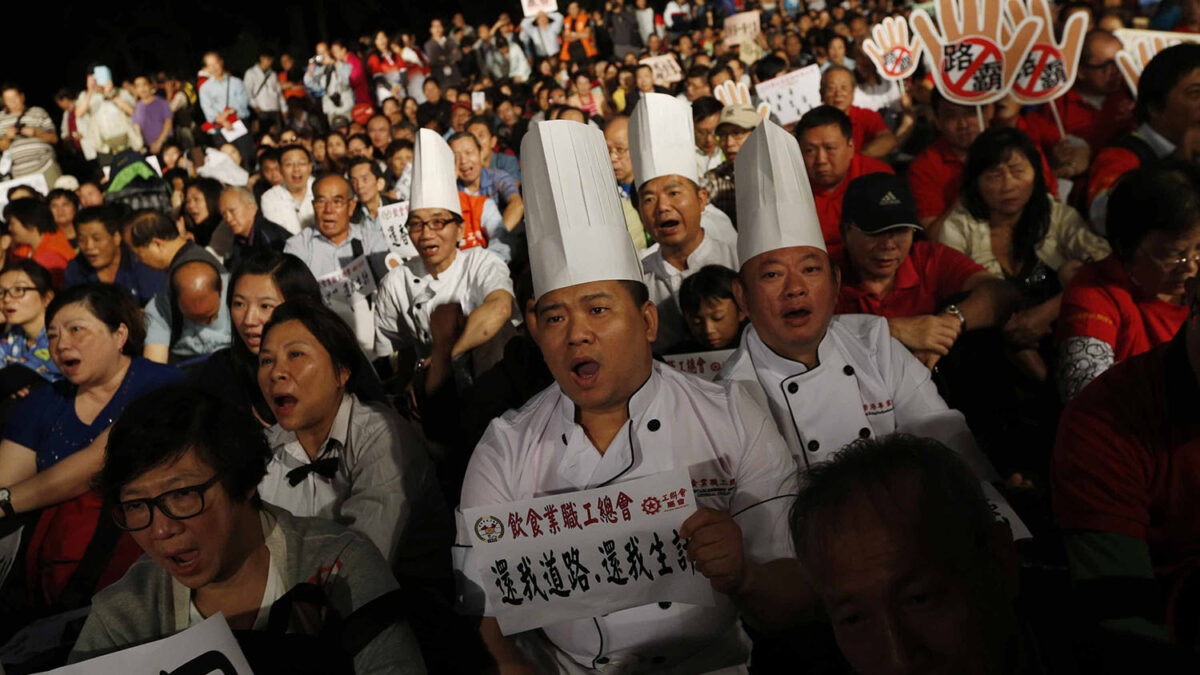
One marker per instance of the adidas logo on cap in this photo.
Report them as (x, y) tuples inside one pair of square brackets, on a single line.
[(889, 200)]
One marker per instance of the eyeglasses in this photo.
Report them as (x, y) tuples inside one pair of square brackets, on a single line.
[(1103, 65), (16, 292), (179, 504), (338, 202), (435, 225), (1170, 264), (617, 151)]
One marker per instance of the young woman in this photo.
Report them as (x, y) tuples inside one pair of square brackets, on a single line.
[(586, 100), (63, 205), (25, 292), (202, 208)]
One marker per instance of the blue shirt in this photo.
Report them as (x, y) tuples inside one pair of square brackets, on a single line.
[(229, 91), (36, 357), (195, 339), (497, 184), (324, 257), (46, 423), (508, 164), (141, 281)]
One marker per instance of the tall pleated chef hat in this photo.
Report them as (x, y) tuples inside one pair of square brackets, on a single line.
[(576, 228), (775, 205), (661, 139), (434, 174)]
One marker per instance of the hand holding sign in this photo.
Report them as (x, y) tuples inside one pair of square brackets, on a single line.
[(972, 66), (1050, 67), (716, 548), (893, 55)]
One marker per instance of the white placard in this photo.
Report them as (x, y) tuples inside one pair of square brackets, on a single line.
[(478, 101), (588, 553), (665, 68), (237, 130), (1004, 511), (793, 94), (207, 648), (36, 181), (354, 280), (741, 27), (1130, 36), (393, 218), (704, 364), (532, 7)]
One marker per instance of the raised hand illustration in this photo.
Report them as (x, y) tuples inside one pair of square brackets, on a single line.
[(889, 48), (729, 94), (1050, 67), (1136, 53)]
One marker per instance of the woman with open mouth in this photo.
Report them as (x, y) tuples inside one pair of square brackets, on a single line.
[(25, 293), (55, 442)]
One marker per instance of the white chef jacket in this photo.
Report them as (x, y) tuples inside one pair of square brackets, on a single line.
[(866, 384), (716, 430), (718, 225), (279, 208), (409, 294), (664, 279)]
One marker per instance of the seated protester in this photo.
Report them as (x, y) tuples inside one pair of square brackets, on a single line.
[(202, 208), (706, 113), (338, 456), (614, 415), (477, 180), (31, 224), (64, 204), (250, 229), (290, 205), (831, 160), (158, 244), (335, 241), (398, 180), (181, 473), (888, 274), (54, 443), (474, 278), (489, 154), (712, 315), (670, 203), (1008, 223), (871, 136), (366, 179), (1164, 117), (1133, 300), (104, 257), (616, 137), (733, 128), (25, 292), (189, 322)]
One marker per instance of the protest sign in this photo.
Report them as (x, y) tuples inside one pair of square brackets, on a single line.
[(393, 218), (532, 7), (741, 27), (353, 280), (1002, 510), (588, 553), (704, 364), (1049, 69), (207, 648), (793, 94), (36, 181), (665, 68), (895, 58), (1138, 47)]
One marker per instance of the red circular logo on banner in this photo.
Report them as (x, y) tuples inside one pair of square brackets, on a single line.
[(896, 61), (972, 68), (1042, 75)]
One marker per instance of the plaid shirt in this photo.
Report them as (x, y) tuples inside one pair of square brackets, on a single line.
[(721, 193), (497, 184)]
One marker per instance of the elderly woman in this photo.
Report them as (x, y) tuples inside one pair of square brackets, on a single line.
[(55, 442)]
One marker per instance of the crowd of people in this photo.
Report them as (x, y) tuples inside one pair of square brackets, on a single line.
[(268, 336)]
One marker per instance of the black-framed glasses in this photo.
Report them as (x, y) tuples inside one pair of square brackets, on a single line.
[(434, 224), (178, 504), (16, 292)]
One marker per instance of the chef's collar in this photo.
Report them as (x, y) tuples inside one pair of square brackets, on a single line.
[(764, 356)]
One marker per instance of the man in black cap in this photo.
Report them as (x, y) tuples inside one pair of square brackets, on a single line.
[(911, 283)]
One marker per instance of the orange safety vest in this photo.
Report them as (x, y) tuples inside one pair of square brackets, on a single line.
[(473, 233), (577, 24)]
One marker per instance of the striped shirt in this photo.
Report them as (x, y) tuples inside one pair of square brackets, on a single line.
[(29, 155)]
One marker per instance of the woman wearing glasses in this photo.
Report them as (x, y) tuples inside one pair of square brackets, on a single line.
[(25, 291), (182, 471), (1134, 300), (54, 444)]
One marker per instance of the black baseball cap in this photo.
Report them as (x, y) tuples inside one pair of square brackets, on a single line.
[(877, 202)]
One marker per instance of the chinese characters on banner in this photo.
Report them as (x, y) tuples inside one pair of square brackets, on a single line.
[(532, 7), (973, 69), (352, 280), (793, 94), (665, 68), (393, 219), (704, 364), (207, 648), (581, 554), (741, 27)]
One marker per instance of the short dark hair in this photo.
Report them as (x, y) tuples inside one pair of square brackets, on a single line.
[(480, 119), (106, 214), (359, 161), (715, 70), (460, 136), (380, 115), (1164, 197), (824, 115), (292, 147), (33, 213), (146, 225), (39, 275), (68, 195), (768, 67), (709, 282), (705, 107), (363, 138), (697, 72), (113, 305), (161, 426), (1161, 75), (329, 330), (638, 291), (269, 154), (397, 146)]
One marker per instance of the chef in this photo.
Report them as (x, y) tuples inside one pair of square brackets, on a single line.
[(670, 202), (474, 278), (828, 380), (613, 415)]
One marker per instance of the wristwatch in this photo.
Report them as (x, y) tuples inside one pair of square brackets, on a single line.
[(6, 503), (954, 311)]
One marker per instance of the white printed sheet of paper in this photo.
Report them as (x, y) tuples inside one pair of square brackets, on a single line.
[(793, 94), (207, 648), (353, 280), (532, 7), (703, 364), (235, 131), (665, 69), (588, 553), (393, 218), (741, 27)]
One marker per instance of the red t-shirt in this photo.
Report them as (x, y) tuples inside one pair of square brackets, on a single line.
[(1103, 303), (1098, 127), (930, 274), (1127, 459), (936, 175), (866, 125), (1112, 163), (829, 202)]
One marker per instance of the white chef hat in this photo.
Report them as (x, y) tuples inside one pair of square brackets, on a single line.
[(434, 174), (775, 205), (576, 228), (661, 139)]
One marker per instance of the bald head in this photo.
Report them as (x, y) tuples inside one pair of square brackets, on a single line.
[(198, 291)]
